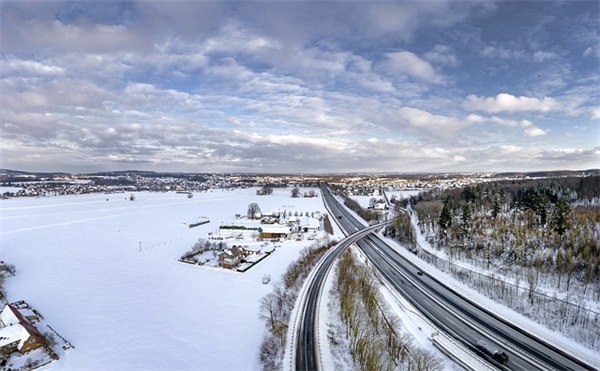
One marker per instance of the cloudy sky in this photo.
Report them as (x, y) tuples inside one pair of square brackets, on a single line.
[(300, 86)]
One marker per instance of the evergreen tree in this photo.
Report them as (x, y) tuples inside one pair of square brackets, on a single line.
[(560, 217), (445, 220), (496, 208), (465, 224)]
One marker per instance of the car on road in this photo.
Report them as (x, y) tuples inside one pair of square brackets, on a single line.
[(485, 348)]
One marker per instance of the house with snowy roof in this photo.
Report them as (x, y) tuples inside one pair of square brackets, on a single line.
[(17, 333), (230, 258), (268, 231), (308, 224)]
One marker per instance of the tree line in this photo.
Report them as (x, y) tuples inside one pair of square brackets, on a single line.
[(374, 338), (366, 214)]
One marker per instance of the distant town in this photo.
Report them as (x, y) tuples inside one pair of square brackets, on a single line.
[(29, 184)]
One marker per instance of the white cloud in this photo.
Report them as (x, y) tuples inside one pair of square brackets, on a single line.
[(32, 68), (592, 51), (502, 53), (529, 129), (89, 37), (541, 56), (509, 103), (234, 38), (430, 124), (534, 131), (407, 63), (441, 54)]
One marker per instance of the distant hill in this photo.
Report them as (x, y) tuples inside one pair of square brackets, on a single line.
[(7, 175), (550, 173), (122, 172)]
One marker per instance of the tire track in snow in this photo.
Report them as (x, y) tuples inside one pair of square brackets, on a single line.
[(61, 224), (79, 221)]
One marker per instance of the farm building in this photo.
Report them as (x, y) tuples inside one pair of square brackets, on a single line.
[(269, 231), (309, 225), (230, 258), (17, 333)]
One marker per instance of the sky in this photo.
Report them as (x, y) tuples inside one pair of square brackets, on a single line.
[(299, 86)]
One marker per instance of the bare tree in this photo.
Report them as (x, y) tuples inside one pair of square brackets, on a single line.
[(10, 268), (295, 192), (265, 190), (267, 311), (253, 210), (50, 340), (423, 360), (2, 292)]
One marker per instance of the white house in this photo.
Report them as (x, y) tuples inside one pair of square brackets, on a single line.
[(309, 224)]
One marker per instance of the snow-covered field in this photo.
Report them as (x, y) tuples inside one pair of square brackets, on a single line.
[(103, 271)]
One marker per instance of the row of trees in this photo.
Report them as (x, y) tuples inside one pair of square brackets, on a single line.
[(254, 212), (200, 247), (402, 230), (5, 269), (366, 214), (375, 340), (327, 226), (296, 193)]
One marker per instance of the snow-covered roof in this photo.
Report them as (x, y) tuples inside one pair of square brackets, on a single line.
[(309, 222), (233, 252), (15, 327), (8, 316), (275, 212), (253, 248), (12, 333), (275, 228)]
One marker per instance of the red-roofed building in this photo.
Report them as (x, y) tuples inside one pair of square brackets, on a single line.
[(230, 258), (17, 333)]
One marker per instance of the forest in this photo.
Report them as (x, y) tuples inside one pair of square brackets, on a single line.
[(533, 244)]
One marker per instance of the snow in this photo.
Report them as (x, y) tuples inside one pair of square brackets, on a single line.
[(104, 272), (552, 337)]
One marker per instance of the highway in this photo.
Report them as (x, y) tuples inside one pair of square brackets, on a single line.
[(460, 318), (306, 347)]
